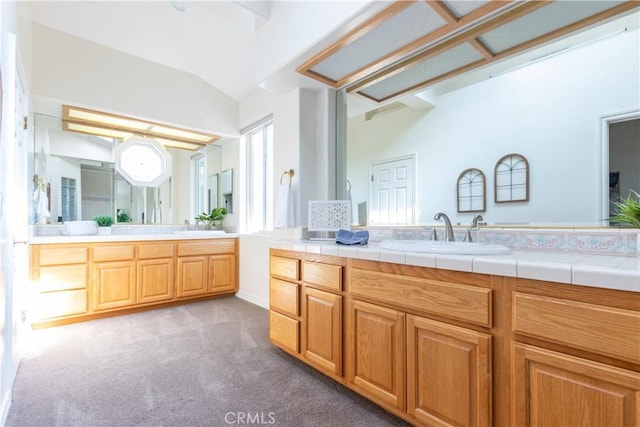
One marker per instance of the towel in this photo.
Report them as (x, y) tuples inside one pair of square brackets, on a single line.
[(77, 228), (346, 237), (284, 207)]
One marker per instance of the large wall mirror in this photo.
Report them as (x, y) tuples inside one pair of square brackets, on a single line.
[(75, 178), (574, 114)]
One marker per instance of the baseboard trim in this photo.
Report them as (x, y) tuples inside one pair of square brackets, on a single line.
[(253, 299)]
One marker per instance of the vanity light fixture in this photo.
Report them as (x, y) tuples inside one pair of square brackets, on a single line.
[(95, 130), (106, 124), (179, 144)]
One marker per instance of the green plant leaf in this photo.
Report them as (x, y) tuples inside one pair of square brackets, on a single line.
[(628, 210), (103, 220)]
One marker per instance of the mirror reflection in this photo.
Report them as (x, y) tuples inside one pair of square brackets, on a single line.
[(75, 178), (574, 115)]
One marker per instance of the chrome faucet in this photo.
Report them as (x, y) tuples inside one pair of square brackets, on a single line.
[(474, 227), (448, 232), (474, 221)]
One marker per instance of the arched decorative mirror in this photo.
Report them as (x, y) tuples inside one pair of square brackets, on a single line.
[(472, 191), (511, 178)]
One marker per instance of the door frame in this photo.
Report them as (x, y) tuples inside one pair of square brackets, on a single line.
[(603, 167)]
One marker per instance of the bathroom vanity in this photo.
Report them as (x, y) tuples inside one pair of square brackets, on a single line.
[(438, 345), (75, 278)]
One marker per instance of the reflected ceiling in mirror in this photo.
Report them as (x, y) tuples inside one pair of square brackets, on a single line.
[(120, 127), (559, 107), (523, 26)]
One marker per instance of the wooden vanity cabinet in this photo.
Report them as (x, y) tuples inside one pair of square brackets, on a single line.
[(61, 277), (420, 342), (306, 308), (74, 282), (322, 314), (448, 348), (114, 276), (376, 352), (155, 272), (222, 273), (284, 303), (206, 268), (575, 356)]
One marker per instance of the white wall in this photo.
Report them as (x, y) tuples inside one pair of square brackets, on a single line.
[(548, 111), (301, 142), (79, 72)]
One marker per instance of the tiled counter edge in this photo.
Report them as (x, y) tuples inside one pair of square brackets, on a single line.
[(602, 271)]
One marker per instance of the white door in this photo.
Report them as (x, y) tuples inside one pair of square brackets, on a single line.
[(391, 192)]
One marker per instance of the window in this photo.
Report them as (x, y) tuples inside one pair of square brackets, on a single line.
[(259, 149), (199, 180), (68, 199)]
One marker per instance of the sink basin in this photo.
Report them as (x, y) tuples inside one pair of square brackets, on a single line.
[(441, 247), (201, 232)]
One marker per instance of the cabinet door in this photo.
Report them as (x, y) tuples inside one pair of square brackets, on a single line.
[(375, 348), (555, 389), (155, 280), (448, 374), (222, 272), (114, 285), (193, 279), (322, 339)]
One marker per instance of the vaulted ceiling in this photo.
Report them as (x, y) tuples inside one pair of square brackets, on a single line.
[(214, 40)]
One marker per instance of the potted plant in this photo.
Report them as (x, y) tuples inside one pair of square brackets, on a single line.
[(628, 210), (123, 216), (214, 219), (104, 224)]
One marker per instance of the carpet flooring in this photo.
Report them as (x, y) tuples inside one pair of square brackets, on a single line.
[(203, 364)]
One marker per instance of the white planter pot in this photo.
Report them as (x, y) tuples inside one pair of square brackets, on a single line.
[(104, 231)]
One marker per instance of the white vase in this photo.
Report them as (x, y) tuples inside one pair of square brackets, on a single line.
[(104, 231)]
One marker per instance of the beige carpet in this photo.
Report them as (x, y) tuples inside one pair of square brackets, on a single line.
[(201, 364)]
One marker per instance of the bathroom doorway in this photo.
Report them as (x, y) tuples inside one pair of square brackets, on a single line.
[(391, 191), (620, 159)]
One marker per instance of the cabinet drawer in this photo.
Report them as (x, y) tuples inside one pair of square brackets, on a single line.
[(284, 331), (463, 302), (64, 303), (606, 330), (62, 277), (53, 256), (285, 267), (284, 297), (221, 246), (329, 276), (113, 253), (155, 251)]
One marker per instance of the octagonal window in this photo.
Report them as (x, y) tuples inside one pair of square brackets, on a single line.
[(143, 161)]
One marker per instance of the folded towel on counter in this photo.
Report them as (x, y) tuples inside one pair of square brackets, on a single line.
[(346, 237), (77, 228)]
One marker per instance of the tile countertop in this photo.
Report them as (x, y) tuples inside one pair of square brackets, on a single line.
[(93, 238), (602, 271)]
